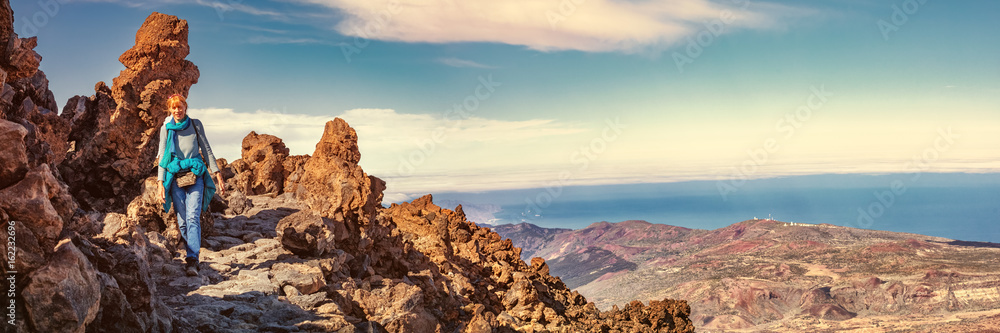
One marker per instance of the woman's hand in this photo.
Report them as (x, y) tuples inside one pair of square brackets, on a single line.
[(159, 193), (220, 184)]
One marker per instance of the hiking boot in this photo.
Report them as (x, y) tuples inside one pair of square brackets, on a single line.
[(192, 267)]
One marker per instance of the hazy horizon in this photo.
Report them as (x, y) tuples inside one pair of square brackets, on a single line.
[(958, 206)]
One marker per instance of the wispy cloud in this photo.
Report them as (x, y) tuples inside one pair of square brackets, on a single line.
[(593, 25), (287, 40), (220, 6), (238, 6), (258, 29), (462, 63)]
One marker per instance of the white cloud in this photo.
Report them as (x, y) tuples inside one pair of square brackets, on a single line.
[(591, 25), (226, 129), (462, 63), (407, 147)]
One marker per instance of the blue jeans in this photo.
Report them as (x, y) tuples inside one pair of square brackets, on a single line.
[(187, 204)]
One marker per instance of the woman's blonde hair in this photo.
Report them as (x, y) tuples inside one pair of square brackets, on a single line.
[(175, 100)]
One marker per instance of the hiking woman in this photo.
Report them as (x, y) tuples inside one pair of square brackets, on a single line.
[(182, 146)]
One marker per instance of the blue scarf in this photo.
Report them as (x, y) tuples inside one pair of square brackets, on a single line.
[(173, 165)]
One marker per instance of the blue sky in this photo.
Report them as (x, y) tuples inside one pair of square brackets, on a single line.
[(571, 92)]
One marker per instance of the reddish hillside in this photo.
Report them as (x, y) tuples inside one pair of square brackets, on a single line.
[(765, 274)]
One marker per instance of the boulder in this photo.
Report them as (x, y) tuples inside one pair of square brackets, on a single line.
[(63, 295), (50, 132), (19, 59), (662, 316), (146, 209), (264, 155), (294, 169), (41, 202), (401, 308), (333, 184), (304, 278), (115, 313), (125, 254), (306, 233), (13, 156), (238, 203)]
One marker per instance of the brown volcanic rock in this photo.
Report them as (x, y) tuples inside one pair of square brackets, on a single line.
[(305, 279), (41, 202), (333, 184), (27, 100), (261, 169), (19, 58), (64, 295), (146, 210), (51, 131), (294, 169), (307, 234), (155, 69), (117, 146), (128, 260), (13, 156), (6, 32), (660, 316), (339, 141), (115, 314), (265, 167)]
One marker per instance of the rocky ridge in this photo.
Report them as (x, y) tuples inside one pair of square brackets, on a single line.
[(779, 276), (300, 243)]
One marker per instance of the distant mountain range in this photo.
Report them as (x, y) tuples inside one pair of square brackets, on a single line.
[(771, 275)]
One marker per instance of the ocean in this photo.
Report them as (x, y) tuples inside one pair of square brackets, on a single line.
[(952, 205)]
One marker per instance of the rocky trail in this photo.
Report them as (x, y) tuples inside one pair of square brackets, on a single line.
[(236, 289)]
